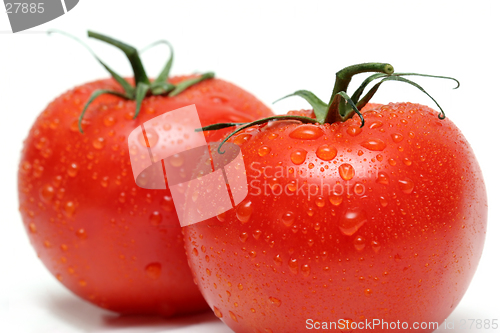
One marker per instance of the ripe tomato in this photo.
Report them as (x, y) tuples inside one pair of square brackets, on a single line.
[(106, 239), (342, 222)]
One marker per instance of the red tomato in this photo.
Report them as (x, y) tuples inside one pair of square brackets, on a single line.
[(384, 222), (106, 239)]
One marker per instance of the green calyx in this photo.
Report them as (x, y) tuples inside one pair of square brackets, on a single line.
[(341, 106), (143, 86)]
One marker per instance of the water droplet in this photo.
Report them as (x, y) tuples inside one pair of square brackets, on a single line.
[(264, 150), (26, 166), (376, 124), (406, 161), (176, 160), (293, 265), (320, 202), (392, 161), (242, 138), (368, 292), (151, 136), (109, 121), (274, 183), (306, 132), (244, 211), (47, 193), (153, 270), (167, 204), (69, 208), (122, 197), (359, 189), (346, 171), (406, 185), (288, 218), (354, 130), (104, 181), (352, 220), (292, 186), (397, 137), (217, 312), (167, 127), (305, 270), (57, 181), (256, 234), (81, 233), (298, 156), (310, 211), (345, 326), (374, 144), (209, 273), (155, 218), (376, 246), (272, 136), (221, 217), (243, 236), (195, 195), (73, 170), (277, 260), (380, 158), (275, 301), (382, 178), (383, 201), (195, 251), (326, 152), (233, 316), (41, 143), (335, 199), (359, 243), (98, 143), (240, 286)]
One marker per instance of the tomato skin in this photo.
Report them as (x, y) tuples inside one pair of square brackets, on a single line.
[(402, 242), (107, 240)]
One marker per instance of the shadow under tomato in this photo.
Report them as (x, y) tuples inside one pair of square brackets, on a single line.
[(85, 317)]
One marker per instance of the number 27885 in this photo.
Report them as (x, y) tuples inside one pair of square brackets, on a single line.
[(25, 8)]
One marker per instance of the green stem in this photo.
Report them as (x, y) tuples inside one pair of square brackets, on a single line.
[(143, 87), (305, 120), (131, 53), (341, 107), (344, 76), (338, 108)]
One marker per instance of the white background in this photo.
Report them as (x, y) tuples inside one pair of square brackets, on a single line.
[(270, 48)]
